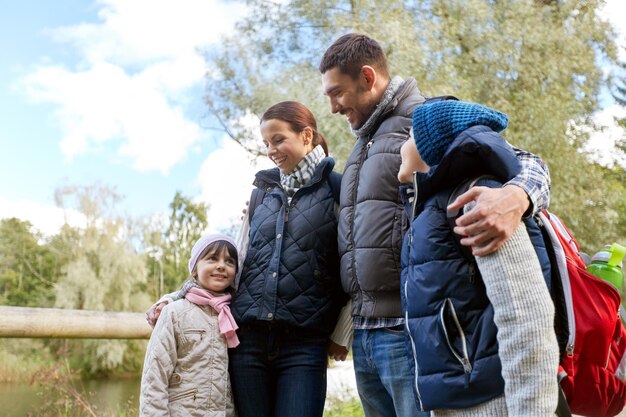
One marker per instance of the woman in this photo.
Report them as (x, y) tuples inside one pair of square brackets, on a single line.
[(289, 293)]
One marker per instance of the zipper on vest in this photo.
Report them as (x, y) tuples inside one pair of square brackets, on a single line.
[(463, 357), (354, 196), (413, 349), (472, 273)]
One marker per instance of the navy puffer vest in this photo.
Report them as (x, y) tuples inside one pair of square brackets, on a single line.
[(451, 336), (291, 271)]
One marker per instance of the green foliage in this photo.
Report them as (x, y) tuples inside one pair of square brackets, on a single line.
[(105, 272), (29, 267), (619, 93), (169, 248), (537, 61), (343, 408)]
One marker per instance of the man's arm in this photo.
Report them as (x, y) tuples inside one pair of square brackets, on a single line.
[(498, 211), (152, 315)]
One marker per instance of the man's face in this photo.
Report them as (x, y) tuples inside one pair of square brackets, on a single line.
[(349, 97)]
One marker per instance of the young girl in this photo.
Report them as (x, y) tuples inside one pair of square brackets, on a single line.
[(186, 366)]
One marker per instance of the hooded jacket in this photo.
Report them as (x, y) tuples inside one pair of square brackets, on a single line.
[(449, 318)]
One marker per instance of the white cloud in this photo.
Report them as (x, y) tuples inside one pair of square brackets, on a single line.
[(47, 219), (226, 180), (614, 11), (601, 144), (139, 66)]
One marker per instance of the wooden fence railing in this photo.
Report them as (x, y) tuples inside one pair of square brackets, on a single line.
[(29, 322)]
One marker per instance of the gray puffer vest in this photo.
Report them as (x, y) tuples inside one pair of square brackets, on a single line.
[(291, 271), (372, 221)]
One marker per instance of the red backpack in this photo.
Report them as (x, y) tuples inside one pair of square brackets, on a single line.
[(589, 328)]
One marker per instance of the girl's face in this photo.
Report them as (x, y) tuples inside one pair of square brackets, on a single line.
[(285, 147), (216, 271)]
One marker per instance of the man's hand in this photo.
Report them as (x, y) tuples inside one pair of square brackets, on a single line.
[(493, 220), (337, 352), (152, 315), (244, 210)]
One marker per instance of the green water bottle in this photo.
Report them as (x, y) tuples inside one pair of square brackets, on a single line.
[(606, 265)]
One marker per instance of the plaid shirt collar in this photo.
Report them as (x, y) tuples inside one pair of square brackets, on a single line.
[(303, 172)]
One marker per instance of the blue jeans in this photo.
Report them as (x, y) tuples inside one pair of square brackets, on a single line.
[(279, 371), (384, 376)]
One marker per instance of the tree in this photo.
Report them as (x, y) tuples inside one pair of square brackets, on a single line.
[(620, 86), (619, 94), (29, 266), (516, 56), (105, 271), (170, 246)]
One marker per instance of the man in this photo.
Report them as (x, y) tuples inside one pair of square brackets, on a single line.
[(372, 222)]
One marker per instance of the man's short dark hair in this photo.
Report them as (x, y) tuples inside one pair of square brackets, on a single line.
[(351, 52)]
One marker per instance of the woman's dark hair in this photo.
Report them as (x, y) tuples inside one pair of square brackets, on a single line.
[(298, 117), (217, 247)]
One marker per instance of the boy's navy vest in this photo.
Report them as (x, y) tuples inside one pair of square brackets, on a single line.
[(451, 335)]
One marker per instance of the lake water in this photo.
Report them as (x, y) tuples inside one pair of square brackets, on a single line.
[(109, 398), (115, 398)]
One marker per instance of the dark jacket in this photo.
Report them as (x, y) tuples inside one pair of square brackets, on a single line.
[(450, 329), (371, 219), (291, 271)]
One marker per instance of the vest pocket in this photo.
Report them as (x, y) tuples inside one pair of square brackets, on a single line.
[(453, 331)]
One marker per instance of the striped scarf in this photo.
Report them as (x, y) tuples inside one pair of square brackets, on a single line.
[(302, 173), (372, 121)]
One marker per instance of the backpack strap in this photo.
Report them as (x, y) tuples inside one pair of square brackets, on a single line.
[(334, 180), (255, 199), (430, 100), (562, 408)]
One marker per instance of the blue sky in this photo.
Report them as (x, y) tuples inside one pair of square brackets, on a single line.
[(110, 91)]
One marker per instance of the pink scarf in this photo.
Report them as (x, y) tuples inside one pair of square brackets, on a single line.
[(225, 320)]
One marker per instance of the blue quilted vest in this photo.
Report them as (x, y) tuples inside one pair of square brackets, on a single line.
[(451, 336), (291, 271)]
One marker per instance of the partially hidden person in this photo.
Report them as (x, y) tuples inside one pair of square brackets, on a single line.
[(479, 328)]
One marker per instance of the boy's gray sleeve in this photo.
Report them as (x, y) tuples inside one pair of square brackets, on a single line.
[(524, 315)]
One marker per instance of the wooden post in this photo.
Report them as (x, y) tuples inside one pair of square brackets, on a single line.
[(71, 324)]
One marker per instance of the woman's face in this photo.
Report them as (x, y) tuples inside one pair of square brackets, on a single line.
[(285, 147)]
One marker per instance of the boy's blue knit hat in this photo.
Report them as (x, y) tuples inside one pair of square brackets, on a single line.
[(436, 125)]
